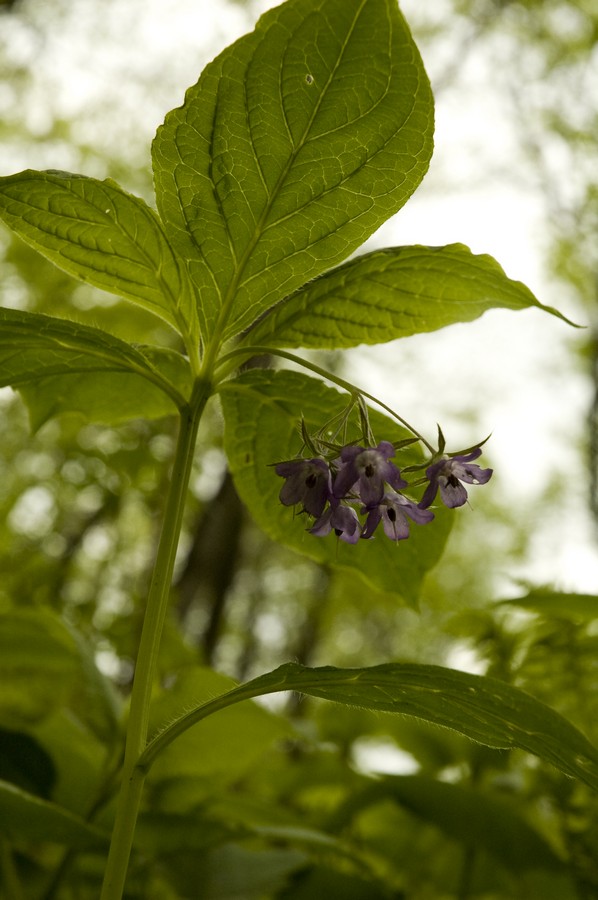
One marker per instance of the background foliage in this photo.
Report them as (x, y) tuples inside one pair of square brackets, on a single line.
[(326, 800)]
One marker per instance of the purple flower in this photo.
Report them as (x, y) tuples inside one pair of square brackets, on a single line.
[(392, 511), (369, 468), (344, 521), (446, 476), (308, 481)]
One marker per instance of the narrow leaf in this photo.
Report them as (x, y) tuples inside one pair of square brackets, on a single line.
[(262, 410), (25, 817), (99, 233), (481, 708), (39, 355), (390, 294), (297, 142)]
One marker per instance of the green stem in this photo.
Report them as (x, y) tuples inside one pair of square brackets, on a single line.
[(147, 657), (346, 385), (248, 691)]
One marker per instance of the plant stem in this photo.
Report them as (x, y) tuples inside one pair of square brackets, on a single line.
[(147, 657), (224, 362)]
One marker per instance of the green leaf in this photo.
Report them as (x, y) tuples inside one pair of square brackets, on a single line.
[(481, 708), (297, 142), (212, 755), (25, 763), (114, 381), (44, 665), (39, 664), (233, 872), (100, 234), (25, 817), (477, 818), (262, 410), (391, 294), (578, 607)]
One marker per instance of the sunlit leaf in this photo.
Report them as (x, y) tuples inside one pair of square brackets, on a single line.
[(391, 294), (60, 366), (25, 817), (297, 142), (481, 708), (99, 233), (262, 410)]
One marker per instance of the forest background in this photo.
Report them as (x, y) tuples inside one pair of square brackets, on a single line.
[(513, 175)]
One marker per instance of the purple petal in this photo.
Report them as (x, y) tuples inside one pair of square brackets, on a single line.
[(345, 522), (395, 524), (371, 523), (308, 482), (452, 492), (322, 527)]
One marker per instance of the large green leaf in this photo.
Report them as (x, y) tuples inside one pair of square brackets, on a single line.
[(62, 366), (390, 294), (297, 142), (25, 817), (481, 708), (101, 234), (262, 410)]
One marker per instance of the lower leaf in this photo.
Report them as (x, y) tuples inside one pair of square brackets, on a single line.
[(481, 708)]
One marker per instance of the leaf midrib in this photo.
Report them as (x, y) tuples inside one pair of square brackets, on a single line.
[(232, 289)]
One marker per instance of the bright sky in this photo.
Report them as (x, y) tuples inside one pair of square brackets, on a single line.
[(516, 371)]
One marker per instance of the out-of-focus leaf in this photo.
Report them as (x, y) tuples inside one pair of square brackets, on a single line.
[(391, 294), (323, 881), (39, 665), (44, 666), (262, 410), (297, 142), (579, 607), (25, 763), (233, 872), (25, 817), (101, 234), (476, 818)]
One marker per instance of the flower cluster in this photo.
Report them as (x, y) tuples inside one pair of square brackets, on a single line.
[(364, 481)]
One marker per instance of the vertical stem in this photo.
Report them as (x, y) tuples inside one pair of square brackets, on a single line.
[(147, 657)]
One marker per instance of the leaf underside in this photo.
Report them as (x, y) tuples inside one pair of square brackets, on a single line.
[(61, 366), (262, 410), (483, 709), (99, 233), (391, 294), (297, 142)]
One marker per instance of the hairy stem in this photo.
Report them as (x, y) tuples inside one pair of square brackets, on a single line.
[(147, 657)]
